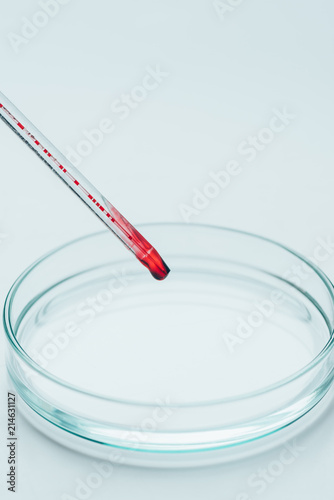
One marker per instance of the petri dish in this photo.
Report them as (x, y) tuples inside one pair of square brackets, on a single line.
[(232, 348)]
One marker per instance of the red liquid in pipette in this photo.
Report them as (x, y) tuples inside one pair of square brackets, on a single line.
[(152, 260), (156, 266), (143, 250)]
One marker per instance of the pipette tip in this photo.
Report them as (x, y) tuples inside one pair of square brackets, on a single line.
[(156, 265)]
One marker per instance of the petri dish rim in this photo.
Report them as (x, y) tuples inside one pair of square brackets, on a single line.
[(249, 395)]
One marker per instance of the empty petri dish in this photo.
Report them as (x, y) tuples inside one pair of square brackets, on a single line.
[(234, 346)]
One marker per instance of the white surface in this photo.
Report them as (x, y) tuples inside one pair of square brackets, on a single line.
[(226, 76)]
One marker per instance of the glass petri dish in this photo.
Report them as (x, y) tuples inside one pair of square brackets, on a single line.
[(235, 345)]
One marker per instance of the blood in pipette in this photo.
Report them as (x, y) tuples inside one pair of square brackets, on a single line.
[(143, 250), (156, 265)]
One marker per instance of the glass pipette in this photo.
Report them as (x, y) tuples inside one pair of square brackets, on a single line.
[(81, 186)]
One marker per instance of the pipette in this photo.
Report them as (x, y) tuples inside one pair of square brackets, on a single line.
[(81, 186)]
